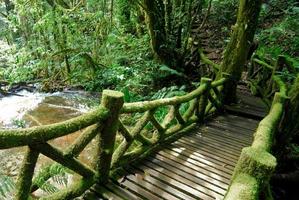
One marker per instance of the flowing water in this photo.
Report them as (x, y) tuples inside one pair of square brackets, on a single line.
[(26, 109)]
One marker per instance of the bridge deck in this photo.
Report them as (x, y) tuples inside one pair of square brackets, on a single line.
[(197, 166)]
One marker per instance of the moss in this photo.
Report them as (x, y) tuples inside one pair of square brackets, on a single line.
[(281, 85), (264, 135), (25, 176), (244, 187), (151, 105), (236, 52), (142, 152), (113, 101), (207, 61), (178, 115), (190, 111), (169, 117), (203, 100), (69, 162), (105, 119), (125, 145), (257, 163), (219, 82), (157, 125), (41, 134), (83, 140)]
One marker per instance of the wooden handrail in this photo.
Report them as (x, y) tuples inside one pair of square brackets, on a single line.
[(256, 163), (105, 122), (20, 137)]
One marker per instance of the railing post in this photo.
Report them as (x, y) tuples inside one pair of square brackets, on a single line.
[(227, 76), (24, 180), (113, 101), (203, 101)]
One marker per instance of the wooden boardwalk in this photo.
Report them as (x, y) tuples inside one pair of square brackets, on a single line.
[(197, 166)]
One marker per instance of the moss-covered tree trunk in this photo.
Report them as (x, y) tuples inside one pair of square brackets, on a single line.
[(157, 29), (8, 6), (236, 52)]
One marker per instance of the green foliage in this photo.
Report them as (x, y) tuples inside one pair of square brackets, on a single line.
[(7, 185), (19, 123), (281, 37), (166, 71), (55, 172), (225, 11), (167, 93)]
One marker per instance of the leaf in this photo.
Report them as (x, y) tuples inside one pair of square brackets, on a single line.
[(171, 71), (6, 185)]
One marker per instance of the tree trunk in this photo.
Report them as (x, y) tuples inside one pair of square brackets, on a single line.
[(235, 55), (157, 29), (8, 6)]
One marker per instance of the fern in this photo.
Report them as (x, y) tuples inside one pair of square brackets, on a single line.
[(49, 188), (7, 185), (55, 172)]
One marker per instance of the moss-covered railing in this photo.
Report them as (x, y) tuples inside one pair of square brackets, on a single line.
[(262, 76), (118, 142), (256, 163)]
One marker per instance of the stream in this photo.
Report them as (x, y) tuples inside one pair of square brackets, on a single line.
[(26, 109)]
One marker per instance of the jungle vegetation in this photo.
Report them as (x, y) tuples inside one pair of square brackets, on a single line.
[(151, 49)]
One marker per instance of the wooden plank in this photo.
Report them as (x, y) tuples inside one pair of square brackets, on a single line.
[(238, 123), (221, 138), (246, 130), (220, 131), (236, 118), (233, 130), (178, 194), (230, 135), (210, 160), (182, 177), (101, 191), (199, 166), (208, 154), (245, 112), (225, 143), (138, 179), (241, 123), (138, 190), (182, 183), (190, 173), (231, 153), (167, 179), (122, 192)]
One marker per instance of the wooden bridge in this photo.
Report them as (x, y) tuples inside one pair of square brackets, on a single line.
[(199, 165), (191, 152)]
